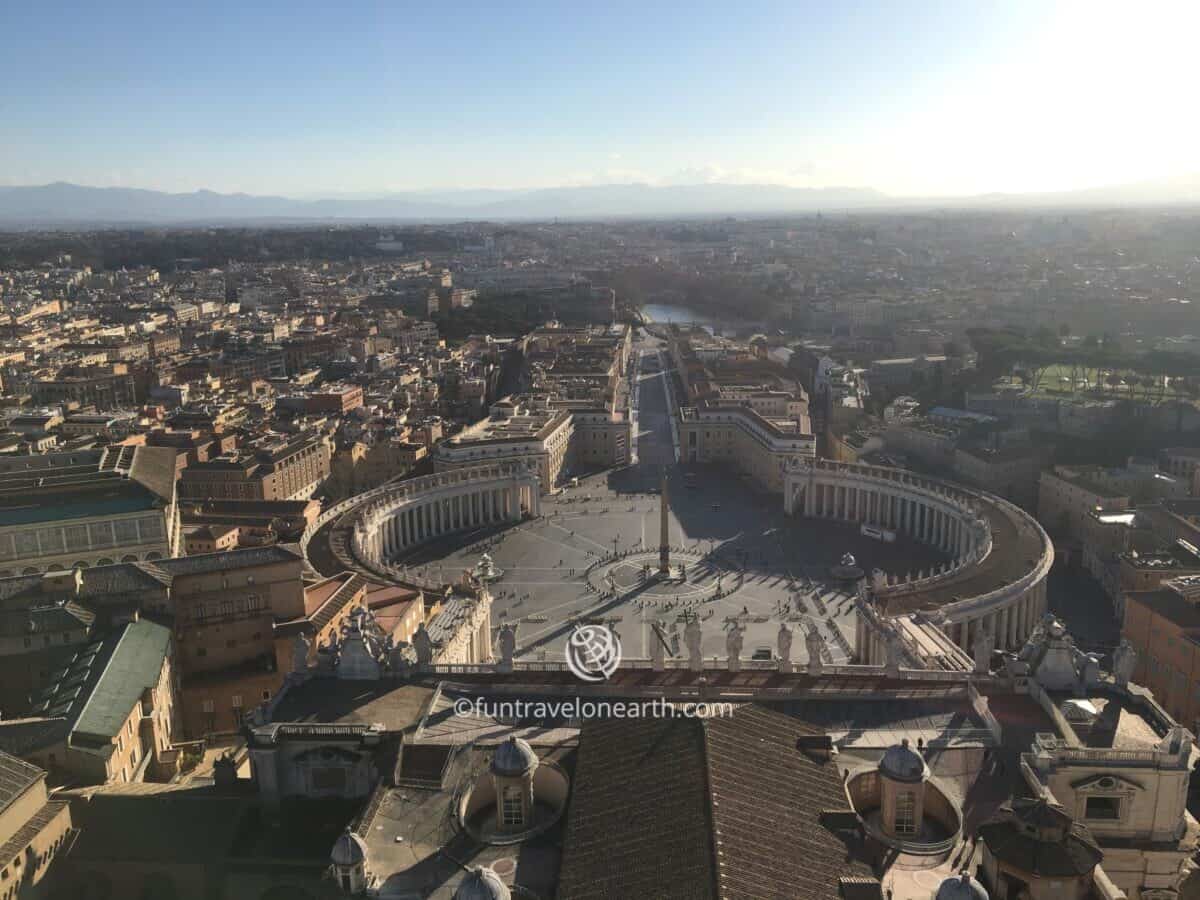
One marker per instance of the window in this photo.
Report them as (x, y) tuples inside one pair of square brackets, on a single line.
[(511, 807), (906, 813), (1104, 808)]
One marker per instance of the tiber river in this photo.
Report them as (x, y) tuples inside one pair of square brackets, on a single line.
[(662, 312)]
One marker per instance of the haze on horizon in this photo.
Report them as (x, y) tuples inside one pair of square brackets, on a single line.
[(302, 100)]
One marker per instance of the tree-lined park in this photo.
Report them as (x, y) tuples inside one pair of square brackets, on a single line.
[(1046, 361)]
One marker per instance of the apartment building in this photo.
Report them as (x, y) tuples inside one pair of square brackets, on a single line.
[(337, 399), (110, 713), (757, 447), (225, 607), (209, 539), (87, 508), (34, 828), (1182, 463), (1162, 626), (1067, 495), (102, 387), (281, 469), (514, 432), (1010, 472)]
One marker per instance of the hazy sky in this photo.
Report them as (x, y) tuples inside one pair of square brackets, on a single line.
[(306, 98)]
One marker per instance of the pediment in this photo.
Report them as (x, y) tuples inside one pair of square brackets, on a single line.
[(1105, 783)]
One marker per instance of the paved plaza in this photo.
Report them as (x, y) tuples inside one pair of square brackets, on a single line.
[(742, 558)]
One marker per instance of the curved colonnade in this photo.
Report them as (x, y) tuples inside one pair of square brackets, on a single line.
[(395, 519), (1000, 556), (994, 580)]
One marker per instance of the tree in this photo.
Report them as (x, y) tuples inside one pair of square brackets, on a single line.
[(1113, 380), (1064, 331), (1149, 383), (1044, 337)]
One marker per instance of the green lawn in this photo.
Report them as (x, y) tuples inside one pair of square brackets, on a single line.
[(1057, 380)]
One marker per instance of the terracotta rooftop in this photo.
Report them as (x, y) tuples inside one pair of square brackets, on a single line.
[(722, 803)]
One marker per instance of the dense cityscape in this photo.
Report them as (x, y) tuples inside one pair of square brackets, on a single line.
[(840, 555)]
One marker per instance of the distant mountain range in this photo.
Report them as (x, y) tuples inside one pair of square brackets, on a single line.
[(64, 204)]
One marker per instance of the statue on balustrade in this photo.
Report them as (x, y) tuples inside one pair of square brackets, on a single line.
[(981, 649), (1124, 661), (895, 653), (507, 642), (815, 646), (733, 646), (691, 637), (300, 647), (658, 649), (783, 642), (879, 580), (423, 645)]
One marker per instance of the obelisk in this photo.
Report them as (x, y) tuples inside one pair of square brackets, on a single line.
[(664, 536)]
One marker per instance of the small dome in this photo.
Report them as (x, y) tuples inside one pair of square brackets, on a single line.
[(514, 758), (348, 850), (961, 887), (482, 884), (902, 763)]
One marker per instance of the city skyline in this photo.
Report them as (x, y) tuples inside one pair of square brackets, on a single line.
[(911, 100)]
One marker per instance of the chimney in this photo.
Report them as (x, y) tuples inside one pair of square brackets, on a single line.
[(68, 582), (224, 772), (816, 746)]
